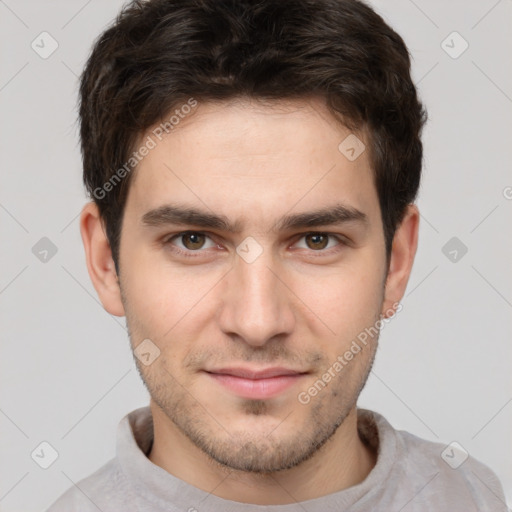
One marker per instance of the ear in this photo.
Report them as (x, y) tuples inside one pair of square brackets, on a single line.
[(99, 260), (403, 250)]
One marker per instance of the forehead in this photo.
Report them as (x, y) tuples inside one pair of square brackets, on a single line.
[(247, 158)]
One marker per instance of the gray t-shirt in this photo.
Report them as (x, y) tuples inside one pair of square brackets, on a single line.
[(410, 475)]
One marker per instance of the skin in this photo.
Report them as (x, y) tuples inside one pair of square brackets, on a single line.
[(298, 305)]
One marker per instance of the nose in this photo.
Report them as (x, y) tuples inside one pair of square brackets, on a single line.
[(257, 303)]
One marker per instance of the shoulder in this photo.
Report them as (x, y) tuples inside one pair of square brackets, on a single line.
[(110, 488), (443, 475), (99, 491)]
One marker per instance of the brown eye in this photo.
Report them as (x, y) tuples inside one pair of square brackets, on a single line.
[(190, 244), (317, 241), (193, 241)]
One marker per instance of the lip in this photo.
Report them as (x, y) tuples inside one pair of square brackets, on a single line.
[(256, 384)]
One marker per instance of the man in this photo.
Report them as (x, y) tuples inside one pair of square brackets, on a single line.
[(253, 168)]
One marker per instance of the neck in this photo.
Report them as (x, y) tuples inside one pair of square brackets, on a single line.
[(344, 461)]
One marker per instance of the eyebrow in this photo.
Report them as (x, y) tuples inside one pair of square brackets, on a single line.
[(179, 215)]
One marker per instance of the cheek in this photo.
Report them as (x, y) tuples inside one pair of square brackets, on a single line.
[(152, 301), (345, 301), (161, 299)]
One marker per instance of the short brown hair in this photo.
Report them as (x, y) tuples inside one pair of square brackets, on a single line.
[(158, 54)]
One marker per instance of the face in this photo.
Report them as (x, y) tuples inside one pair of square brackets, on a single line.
[(251, 299)]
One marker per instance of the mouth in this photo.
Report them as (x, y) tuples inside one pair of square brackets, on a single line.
[(256, 384)]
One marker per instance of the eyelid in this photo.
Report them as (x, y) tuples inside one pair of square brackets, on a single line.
[(167, 239), (342, 241)]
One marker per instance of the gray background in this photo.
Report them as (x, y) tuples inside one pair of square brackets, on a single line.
[(443, 368)]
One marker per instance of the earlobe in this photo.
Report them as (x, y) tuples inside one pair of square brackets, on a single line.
[(99, 260), (405, 243)]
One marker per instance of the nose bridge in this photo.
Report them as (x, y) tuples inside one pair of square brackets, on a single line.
[(256, 305)]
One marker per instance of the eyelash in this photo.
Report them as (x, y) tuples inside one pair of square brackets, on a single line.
[(342, 242)]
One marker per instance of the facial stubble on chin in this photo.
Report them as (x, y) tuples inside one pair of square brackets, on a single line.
[(242, 451)]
